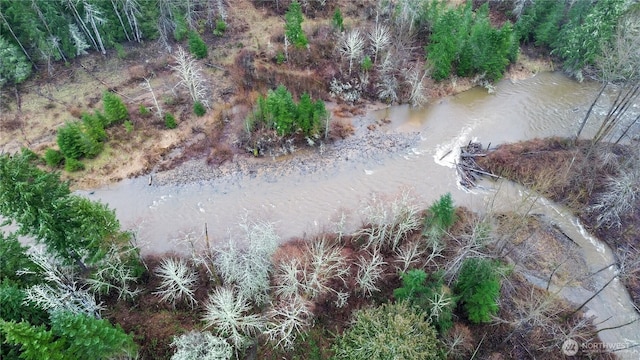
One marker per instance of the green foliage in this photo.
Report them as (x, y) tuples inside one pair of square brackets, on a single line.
[(114, 109), (75, 143), (143, 110), (278, 111), (466, 41), (199, 109), (16, 308), (70, 140), (366, 64), (94, 127), (293, 26), (128, 126), (71, 227), (170, 121), (540, 23), (197, 46), (390, 331), (90, 338), (478, 287), (221, 27), (73, 165), (36, 342), (574, 30), (121, 53), (280, 58), (14, 66), (181, 30), (428, 293), (442, 213), (337, 20), (53, 158), (13, 257), (71, 337)]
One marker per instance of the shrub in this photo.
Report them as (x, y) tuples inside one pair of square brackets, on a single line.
[(390, 331), (182, 29), (201, 345), (170, 121), (70, 141), (197, 46), (143, 110), (94, 127), (73, 165), (221, 27), (128, 126), (478, 287), (337, 20), (53, 158), (114, 109), (441, 216), (430, 295), (366, 64), (199, 109), (227, 311), (177, 281)]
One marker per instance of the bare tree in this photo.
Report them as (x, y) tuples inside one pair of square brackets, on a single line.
[(287, 319), (380, 38), (191, 77), (414, 78), (147, 86), (351, 46), (370, 270), (178, 281)]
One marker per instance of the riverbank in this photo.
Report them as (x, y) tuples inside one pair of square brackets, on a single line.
[(590, 182)]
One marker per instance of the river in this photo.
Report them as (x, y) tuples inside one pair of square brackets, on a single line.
[(304, 201)]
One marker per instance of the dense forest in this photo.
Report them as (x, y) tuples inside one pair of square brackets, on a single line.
[(427, 282)]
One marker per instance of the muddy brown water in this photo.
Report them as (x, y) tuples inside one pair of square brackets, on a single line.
[(303, 203)]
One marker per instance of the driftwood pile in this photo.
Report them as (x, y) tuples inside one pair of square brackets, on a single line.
[(468, 169)]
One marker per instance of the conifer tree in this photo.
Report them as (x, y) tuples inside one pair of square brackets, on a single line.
[(293, 26)]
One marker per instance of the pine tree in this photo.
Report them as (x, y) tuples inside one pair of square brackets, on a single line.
[(478, 288), (114, 109), (293, 26), (197, 46)]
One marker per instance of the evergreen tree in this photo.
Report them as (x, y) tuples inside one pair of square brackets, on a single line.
[(72, 336), (70, 140), (73, 228), (478, 288), (14, 66), (338, 22), (293, 25), (197, 46), (114, 109)]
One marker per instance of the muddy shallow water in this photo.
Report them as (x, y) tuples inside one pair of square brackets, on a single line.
[(304, 192)]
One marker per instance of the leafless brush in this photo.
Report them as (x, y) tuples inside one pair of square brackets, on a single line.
[(287, 319), (407, 255), (178, 281), (201, 345), (414, 78), (370, 270), (387, 225), (249, 268), (114, 274), (228, 312), (620, 197)]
